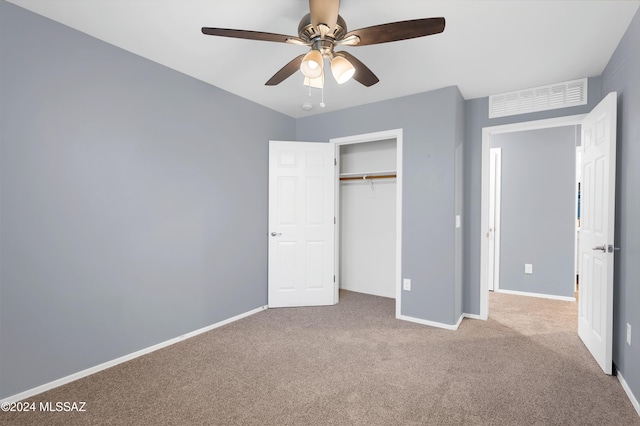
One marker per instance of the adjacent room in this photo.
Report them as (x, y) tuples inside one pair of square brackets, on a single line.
[(198, 226)]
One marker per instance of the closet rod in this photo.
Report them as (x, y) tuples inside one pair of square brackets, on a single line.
[(365, 177)]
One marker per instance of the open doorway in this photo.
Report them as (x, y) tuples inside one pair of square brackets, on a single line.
[(597, 222), (367, 198), (369, 213), (533, 209), (523, 269)]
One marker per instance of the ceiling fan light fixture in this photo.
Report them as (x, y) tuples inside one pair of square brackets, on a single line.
[(316, 83), (342, 69), (323, 29), (311, 65)]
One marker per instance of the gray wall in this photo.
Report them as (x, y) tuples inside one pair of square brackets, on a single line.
[(122, 186), (538, 210), (430, 124), (477, 117), (622, 75)]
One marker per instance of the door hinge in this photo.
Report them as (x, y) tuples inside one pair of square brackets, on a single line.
[(334, 278), (335, 161), (334, 220)]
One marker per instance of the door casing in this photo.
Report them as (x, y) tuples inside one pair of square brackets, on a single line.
[(495, 194)]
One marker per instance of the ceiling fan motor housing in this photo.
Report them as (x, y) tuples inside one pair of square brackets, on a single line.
[(309, 33)]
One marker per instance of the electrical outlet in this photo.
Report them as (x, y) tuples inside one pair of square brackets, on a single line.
[(406, 284), (528, 268), (628, 334)]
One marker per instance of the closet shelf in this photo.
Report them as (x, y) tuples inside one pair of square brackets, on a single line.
[(380, 174)]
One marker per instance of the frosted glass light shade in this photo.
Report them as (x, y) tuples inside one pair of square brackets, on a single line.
[(311, 65), (342, 69), (316, 83)]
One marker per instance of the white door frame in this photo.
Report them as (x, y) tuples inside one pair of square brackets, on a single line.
[(372, 137), (484, 213), (495, 196)]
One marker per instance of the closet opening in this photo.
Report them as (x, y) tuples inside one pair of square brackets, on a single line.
[(368, 214)]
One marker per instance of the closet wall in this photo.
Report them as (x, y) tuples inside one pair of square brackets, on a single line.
[(368, 218)]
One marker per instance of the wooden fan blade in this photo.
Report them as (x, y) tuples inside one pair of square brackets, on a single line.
[(251, 35), (363, 74), (324, 12), (286, 71), (395, 31)]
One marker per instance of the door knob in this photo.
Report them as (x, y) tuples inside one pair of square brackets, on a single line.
[(603, 248), (276, 234), (611, 248)]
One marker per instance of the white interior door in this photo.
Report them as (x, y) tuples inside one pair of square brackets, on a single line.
[(493, 233), (595, 300), (301, 224)]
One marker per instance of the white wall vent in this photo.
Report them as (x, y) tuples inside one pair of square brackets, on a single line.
[(543, 98)]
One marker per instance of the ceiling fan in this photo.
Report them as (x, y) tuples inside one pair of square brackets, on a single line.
[(322, 30)]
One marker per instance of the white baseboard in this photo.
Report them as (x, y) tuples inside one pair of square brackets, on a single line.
[(92, 370), (540, 295), (430, 323), (627, 389), (459, 321), (474, 316)]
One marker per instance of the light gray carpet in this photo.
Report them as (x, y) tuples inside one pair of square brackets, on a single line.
[(354, 364)]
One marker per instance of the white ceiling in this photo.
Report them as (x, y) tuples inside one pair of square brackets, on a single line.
[(487, 47)]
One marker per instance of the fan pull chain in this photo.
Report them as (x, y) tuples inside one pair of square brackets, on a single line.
[(322, 104)]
